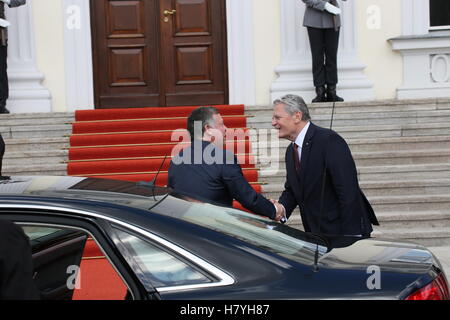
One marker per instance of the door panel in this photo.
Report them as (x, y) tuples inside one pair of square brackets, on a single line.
[(194, 52), (126, 56), (144, 57)]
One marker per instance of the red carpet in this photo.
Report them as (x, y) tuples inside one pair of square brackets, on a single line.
[(97, 278), (130, 144)]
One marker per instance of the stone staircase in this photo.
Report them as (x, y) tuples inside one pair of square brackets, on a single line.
[(402, 152), (36, 143)]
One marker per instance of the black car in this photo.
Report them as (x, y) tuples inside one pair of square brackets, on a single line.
[(107, 239)]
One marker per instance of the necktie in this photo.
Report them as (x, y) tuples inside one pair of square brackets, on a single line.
[(296, 158), (335, 17)]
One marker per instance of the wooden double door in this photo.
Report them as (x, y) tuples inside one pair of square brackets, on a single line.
[(159, 52)]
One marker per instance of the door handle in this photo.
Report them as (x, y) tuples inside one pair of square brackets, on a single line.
[(169, 12)]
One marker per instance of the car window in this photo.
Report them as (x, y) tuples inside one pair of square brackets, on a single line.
[(159, 267), (257, 230), (36, 233), (70, 265)]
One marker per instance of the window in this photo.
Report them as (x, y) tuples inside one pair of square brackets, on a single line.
[(259, 231), (159, 268), (70, 265), (439, 14)]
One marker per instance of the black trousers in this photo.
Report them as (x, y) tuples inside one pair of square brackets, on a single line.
[(324, 47), (4, 86), (2, 152)]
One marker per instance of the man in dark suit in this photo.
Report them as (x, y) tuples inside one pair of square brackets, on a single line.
[(322, 18), (337, 207), (208, 173), (16, 266)]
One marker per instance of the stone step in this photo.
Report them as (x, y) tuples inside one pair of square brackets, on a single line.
[(380, 188), (367, 159), (266, 143), (405, 172), (388, 203), (56, 116), (408, 187), (27, 144), (366, 118), (399, 143), (26, 158), (379, 131), (413, 219), (21, 132), (432, 231), (368, 106), (435, 202), (402, 157), (39, 169), (423, 236), (42, 121), (422, 232), (376, 173)]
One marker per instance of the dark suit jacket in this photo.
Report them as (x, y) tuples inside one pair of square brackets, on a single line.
[(16, 265), (210, 174), (346, 210)]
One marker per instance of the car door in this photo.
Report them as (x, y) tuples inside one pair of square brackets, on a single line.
[(74, 259), (54, 250)]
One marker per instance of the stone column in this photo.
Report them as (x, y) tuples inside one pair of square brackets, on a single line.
[(78, 55), (241, 65), (295, 70), (26, 92)]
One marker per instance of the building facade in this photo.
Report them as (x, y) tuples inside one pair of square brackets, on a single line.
[(388, 50)]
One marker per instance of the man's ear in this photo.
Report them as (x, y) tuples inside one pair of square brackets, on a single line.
[(205, 129), (298, 117)]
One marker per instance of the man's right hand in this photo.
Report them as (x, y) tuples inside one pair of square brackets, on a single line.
[(332, 9), (280, 211)]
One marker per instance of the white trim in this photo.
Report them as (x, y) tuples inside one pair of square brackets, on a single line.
[(440, 28), (78, 55), (416, 17), (241, 64)]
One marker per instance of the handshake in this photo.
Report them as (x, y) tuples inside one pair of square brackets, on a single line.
[(280, 211)]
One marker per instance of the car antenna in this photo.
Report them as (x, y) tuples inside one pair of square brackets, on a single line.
[(322, 194), (152, 183)]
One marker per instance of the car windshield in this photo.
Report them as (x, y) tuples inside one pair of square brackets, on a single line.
[(256, 230)]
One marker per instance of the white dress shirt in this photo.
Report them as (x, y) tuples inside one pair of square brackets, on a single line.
[(300, 138)]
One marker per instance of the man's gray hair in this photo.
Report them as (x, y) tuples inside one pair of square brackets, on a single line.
[(293, 104)]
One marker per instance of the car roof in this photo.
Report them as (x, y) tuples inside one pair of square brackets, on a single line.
[(140, 195)]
